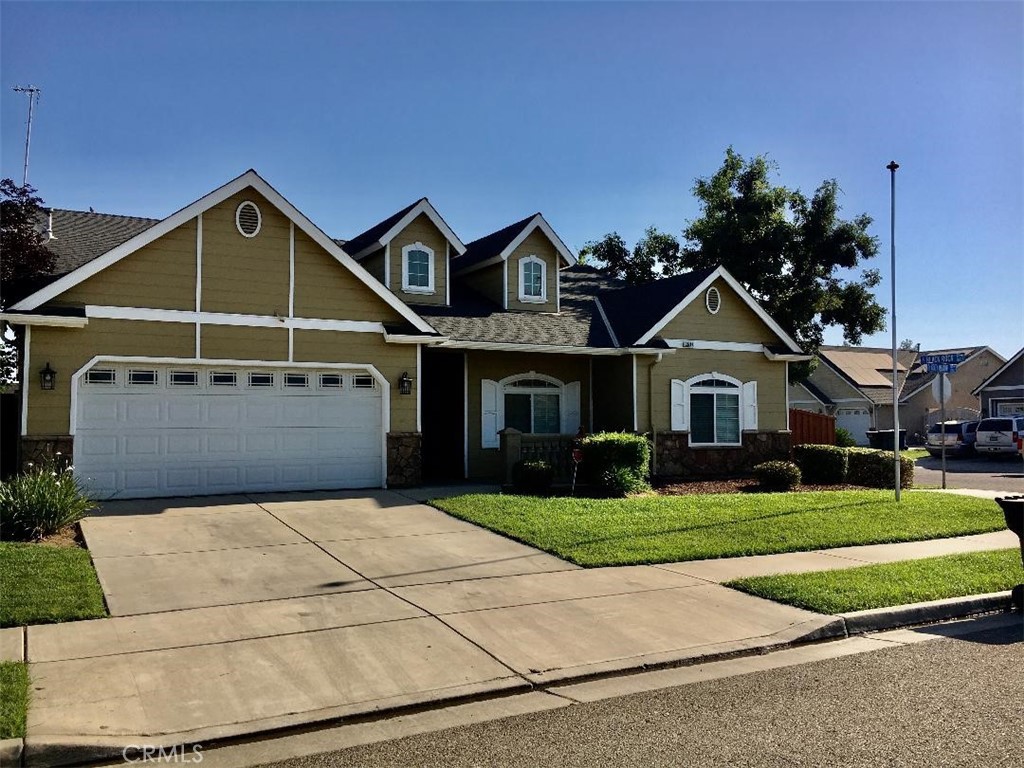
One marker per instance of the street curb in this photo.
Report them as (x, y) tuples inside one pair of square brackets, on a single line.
[(878, 619), (11, 750)]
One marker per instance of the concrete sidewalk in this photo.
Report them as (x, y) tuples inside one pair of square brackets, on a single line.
[(247, 614)]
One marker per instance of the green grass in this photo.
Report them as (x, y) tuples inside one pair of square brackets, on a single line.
[(658, 529), (914, 453), (13, 699), (42, 584), (879, 586)]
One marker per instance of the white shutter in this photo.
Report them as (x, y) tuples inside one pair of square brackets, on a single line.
[(488, 414), (750, 405), (678, 398), (571, 408)]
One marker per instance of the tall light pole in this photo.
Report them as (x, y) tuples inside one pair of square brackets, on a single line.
[(892, 166), (33, 97)]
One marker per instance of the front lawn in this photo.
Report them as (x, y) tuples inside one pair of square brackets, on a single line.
[(42, 584), (914, 453), (13, 699), (880, 586), (659, 529)]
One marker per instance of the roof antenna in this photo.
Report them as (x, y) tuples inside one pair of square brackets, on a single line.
[(33, 98)]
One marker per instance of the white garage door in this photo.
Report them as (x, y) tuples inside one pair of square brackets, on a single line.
[(145, 430), (857, 421)]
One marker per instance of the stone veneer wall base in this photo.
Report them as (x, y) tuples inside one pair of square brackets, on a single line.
[(405, 459), (677, 460)]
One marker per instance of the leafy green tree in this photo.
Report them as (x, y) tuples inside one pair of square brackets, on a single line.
[(644, 263), (793, 253)]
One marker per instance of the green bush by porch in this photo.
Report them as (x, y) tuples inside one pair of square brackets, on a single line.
[(617, 462), (658, 529), (43, 584), (881, 586)]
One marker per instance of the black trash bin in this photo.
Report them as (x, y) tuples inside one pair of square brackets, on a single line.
[(1013, 512), (882, 439)]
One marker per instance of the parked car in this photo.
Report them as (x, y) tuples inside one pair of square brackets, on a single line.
[(1000, 435), (959, 437)]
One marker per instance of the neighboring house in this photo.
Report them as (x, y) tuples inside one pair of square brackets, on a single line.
[(233, 346), (858, 382), (1002, 393), (919, 402), (806, 396)]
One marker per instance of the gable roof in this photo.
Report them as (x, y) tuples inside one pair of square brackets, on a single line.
[(999, 372), (862, 368), (920, 378), (381, 233), (813, 391), (498, 246), (156, 230), (638, 313)]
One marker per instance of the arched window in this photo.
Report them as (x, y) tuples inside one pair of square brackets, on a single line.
[(714, 408), (417, 268), (533, 282), (532, 402)]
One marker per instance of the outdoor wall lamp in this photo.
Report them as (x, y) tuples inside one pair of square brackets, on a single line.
[(47, 377), (404, 384)]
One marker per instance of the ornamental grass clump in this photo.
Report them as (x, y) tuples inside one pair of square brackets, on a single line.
[(41, 501)]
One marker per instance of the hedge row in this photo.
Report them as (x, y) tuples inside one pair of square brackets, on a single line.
[(832, 465)]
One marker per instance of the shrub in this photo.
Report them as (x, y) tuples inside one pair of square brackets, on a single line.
[(822, 464), (617, 462), (844, 438), (873, 468), (778, 475), (533, 477), (41, 501)]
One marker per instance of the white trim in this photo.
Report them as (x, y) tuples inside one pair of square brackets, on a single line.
[(691, 384), (707, 300), (604, 318), (387, 266), (447, 273), (504, 285), (419, 389), (226, 318), (853, 400), (1004, 387), (999, 371), (465, 415), (53, 321), (291, 289), (259, 218), (802, 386), (590, 394), (424, 207), (562, 386), (521, 269), (408, 338), (718, 346), (558, 290), (199, 283), (784, 358), (636, 426), (248, 179), (417, 246), (541, 348), (24, 380), (785, 383), (721, 272), (536, 222)]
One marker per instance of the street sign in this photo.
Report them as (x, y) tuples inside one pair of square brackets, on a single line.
[(941, 368), (941, 388), (954, 358)]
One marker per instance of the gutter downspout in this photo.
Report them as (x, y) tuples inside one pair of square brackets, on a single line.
[(650, 415)]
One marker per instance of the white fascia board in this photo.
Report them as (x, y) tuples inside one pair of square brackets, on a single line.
[(424, 207), (539, 348), (721, 272), (538, 222), (607, 324), (248, 179), (408, 338), (225, 318), (717, 346), (54, 321), (787, 358), (1008, 364)]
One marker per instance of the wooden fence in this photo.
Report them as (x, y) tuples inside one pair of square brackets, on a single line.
[(813, 428)]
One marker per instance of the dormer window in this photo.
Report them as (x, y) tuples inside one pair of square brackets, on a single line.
[(417, 269), (533, 284)]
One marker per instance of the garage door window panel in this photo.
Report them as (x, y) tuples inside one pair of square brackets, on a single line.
[(223, 379), (183, 378)]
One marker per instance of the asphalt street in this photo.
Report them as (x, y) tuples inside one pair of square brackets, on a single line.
[(973, 472), (945, 702)]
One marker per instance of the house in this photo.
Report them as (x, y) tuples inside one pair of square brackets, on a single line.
[(919, 401), (1002, 393), (233, 346)]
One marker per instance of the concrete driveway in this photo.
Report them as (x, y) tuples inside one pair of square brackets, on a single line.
[(982, 473), (238, 614)]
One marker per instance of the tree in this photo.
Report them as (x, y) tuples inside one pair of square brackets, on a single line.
[(790, 252), (910, 345), (641, 265), (23, 252)]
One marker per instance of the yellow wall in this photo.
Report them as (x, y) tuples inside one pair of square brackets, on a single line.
[(488, 282), (162, 275), (485, 463), (422, 230), (833, 385), (734, 321), (536, 244), (231, 342)]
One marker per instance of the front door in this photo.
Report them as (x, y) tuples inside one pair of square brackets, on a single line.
[(444, 414)]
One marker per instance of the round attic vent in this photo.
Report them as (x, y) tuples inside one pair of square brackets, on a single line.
[(713, 300), (248, 219)]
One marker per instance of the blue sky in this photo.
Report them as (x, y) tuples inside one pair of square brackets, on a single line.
[(598, 114)]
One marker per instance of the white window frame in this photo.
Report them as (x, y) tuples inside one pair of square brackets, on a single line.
[(177, 373), (335, 377), (406, 250), (508, 387), (681, 406), (253, 379), (492, 417), (295, 380), (113, 378), (132, 372), (523, 297)]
